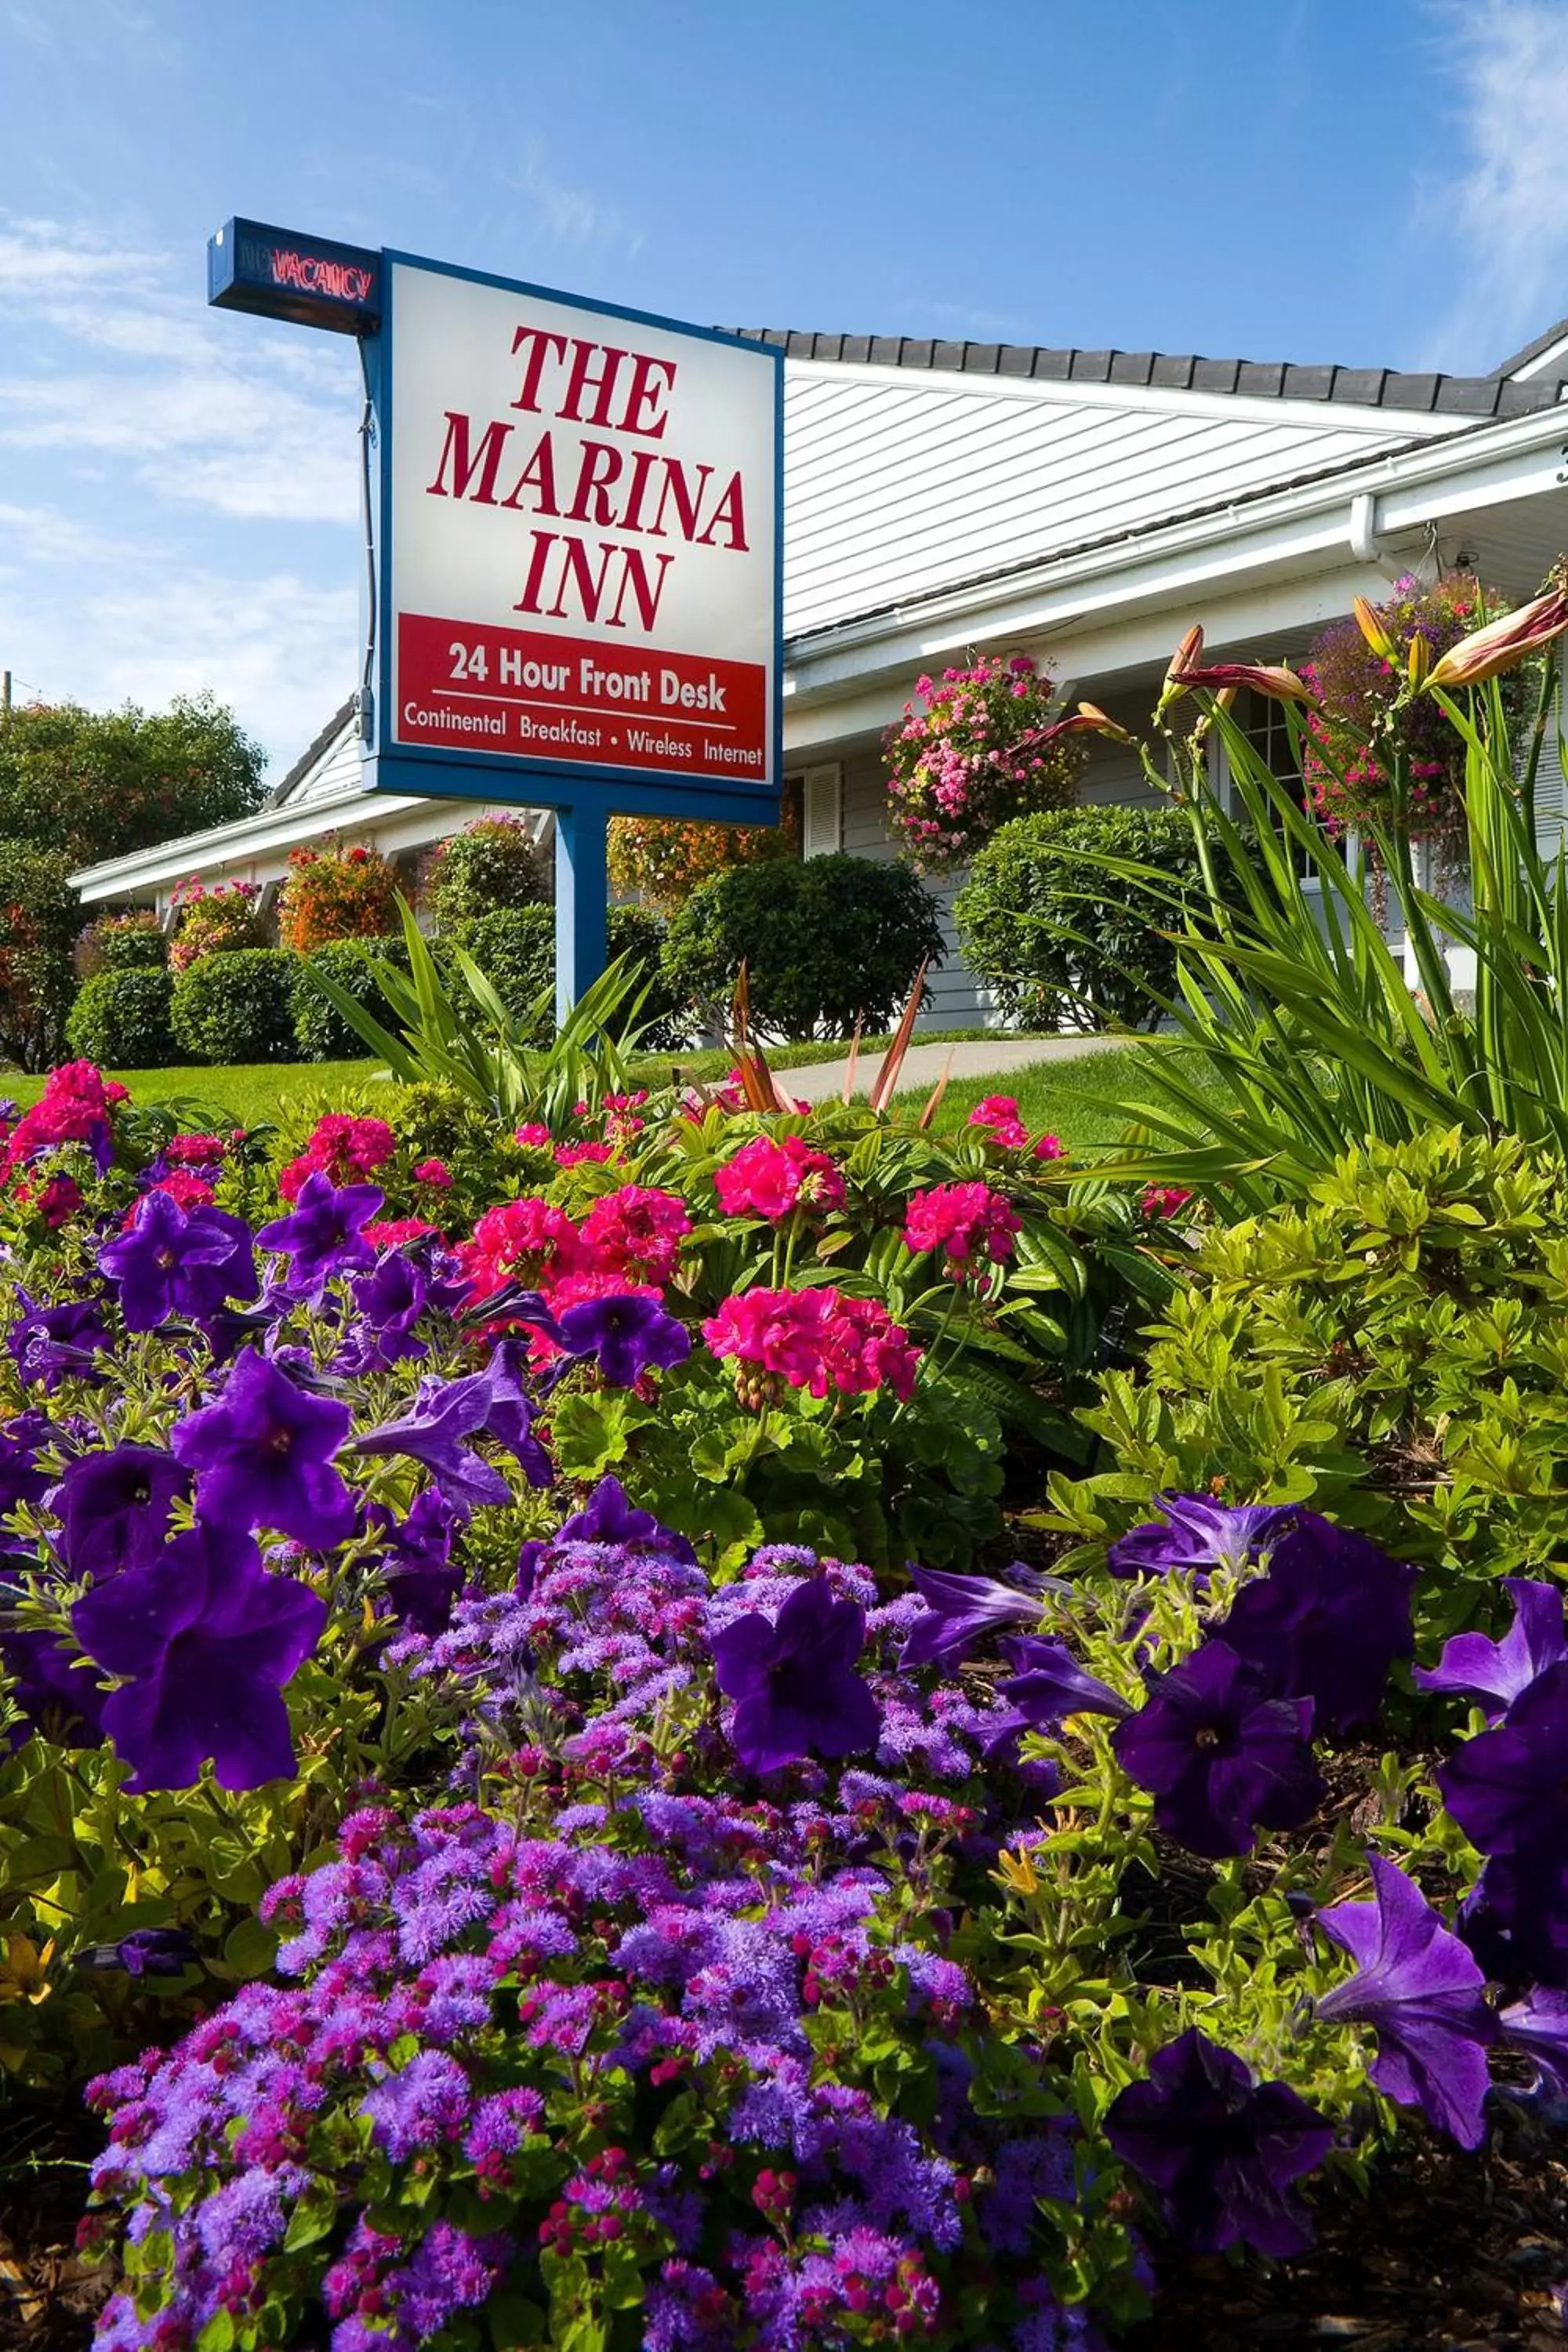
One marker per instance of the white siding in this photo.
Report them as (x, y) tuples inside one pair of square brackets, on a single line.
[(898, 485)]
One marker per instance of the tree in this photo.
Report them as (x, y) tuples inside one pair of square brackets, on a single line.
[(97, 785)]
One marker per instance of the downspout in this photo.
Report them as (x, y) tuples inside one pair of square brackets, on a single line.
[(1364, 542)]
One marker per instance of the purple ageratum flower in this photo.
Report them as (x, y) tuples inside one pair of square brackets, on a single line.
[(1326, 1622), (1050, 1685), (1197, 1532), (175, 1261), (961, 1611), (323, 1235), (114, 1508), (263, 1455), (1423, 1995), (608, 1518), (48, 1343), (627, 1335), (1221, 1753), (444, 1413), (1221, 2148), (57, 1692), (206, 1640), (1496, 1673), (1505, 1787), (794, 1680)]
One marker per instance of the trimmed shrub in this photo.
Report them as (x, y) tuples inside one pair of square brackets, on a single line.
[(39, 916), (120, 1020), (1024, 896), (514, 947), (132, 942), (238, 1007), (823, 941), (493, 866), (319, 1030), (663, 1021)]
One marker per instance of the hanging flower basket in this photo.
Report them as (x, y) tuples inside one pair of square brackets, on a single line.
[(968, 754)]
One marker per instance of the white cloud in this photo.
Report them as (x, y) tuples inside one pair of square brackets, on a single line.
[(1509, 203), (104, 620), (116, 364), (568, 214)]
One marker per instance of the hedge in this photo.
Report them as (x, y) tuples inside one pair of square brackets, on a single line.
[(514, 947), (39, 916), (824, 942), (1024, 896), (120, 1020), (320, 1031), (238, 1007)]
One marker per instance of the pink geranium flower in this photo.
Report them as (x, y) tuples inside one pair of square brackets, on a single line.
[(770, 1180), (968, 1222)]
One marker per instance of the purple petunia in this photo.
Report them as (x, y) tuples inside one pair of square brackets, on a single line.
[(1496, 1673), (1199, 1533), (323, 1233), (113, 1509), (1221, 1753), (1538, 2028), (626, 1335), (421, 1579), (1326, 1621), (445, 1413), (55, 1690), (794, 1681), (609, 1518), (961, 1611), (48, 1343), (1221, 2149), (206, 1640), (175, 1261), (263, 1456), (1505, 1787), (390, 1301), (1050, 1685), (1421, 1992)]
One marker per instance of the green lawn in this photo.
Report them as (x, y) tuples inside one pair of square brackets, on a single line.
[(1070, 1099)]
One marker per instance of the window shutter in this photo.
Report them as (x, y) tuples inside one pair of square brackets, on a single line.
[(822, 812), (1551, 791)]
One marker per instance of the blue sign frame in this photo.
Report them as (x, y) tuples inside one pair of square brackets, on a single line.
[(585, 796)]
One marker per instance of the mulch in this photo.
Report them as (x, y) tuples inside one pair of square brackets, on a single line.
[(1446, 2252)]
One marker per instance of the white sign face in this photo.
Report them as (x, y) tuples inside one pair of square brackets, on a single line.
[(580, 566)]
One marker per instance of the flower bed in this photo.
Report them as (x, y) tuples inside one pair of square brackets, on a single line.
[(538, 1785)]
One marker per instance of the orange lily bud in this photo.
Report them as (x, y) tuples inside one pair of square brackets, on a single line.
[(1272, 678), (1187, 656), (1418, 660), (1371, 628), (1087, 720), (1502, 644)]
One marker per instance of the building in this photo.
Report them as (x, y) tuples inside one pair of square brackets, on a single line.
[(1083, 507)]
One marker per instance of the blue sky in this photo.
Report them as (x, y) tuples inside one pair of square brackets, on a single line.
[(1304, 179)]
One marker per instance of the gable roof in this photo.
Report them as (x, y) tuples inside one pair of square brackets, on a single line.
[(1466, 396), (285, 787)]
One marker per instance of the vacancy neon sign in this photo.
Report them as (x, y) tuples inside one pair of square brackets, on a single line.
[(313, 283)]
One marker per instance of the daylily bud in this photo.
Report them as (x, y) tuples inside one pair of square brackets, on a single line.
[(1272, 679), (1502, 644), (1372, 627), (1420, 655), (1087, 720)]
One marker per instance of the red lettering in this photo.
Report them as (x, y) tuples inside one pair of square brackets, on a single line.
[(651, 379), (533, 366), (729, 510), (466, 463), (601, 463), (688, 502), (538, 476), (634, 575), (602, 386), (533, 586)]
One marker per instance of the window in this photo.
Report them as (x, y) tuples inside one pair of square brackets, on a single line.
[(1264, 723)]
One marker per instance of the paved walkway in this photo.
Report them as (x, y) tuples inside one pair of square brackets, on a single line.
[(973, 1057)]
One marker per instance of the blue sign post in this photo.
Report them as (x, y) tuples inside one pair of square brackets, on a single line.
[(574, 550)]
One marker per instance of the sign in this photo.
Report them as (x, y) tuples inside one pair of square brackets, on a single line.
[(310, 280), (574, 544), (581, 540)]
